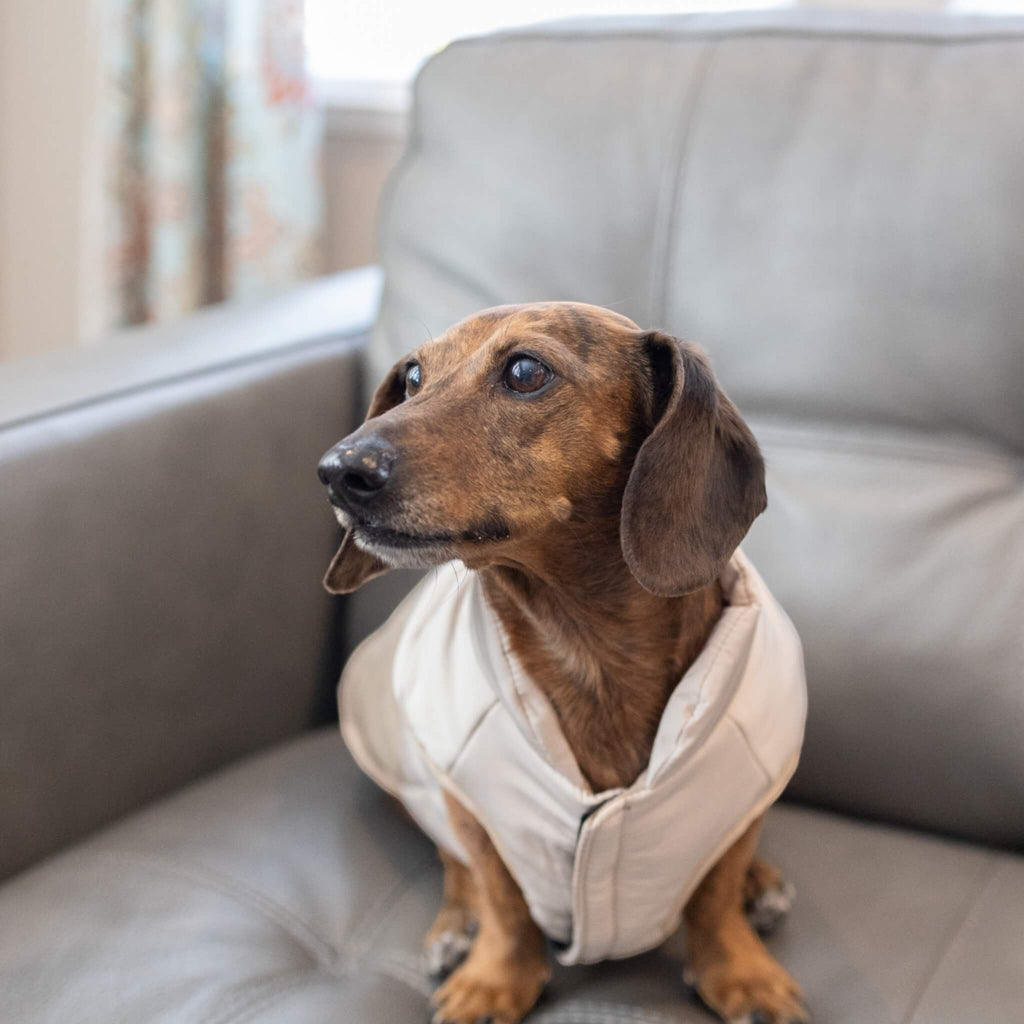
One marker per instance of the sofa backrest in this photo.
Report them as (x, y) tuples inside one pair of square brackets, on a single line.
[(832, 206)]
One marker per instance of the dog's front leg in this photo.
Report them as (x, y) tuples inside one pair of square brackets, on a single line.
[(726, 961), (451, 936), (507, 967)]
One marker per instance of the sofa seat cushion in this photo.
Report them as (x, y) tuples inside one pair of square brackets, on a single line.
[(289, 888)]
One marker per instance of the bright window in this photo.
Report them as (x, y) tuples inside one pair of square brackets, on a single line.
[(368, 50)]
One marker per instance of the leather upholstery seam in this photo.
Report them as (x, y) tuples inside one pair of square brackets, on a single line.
[(1013, 34), (336, 960), (582, 1012), (407, 970), (256, 997), (453, 274), (1000, 865), (670, 191), (1006, 459), (355, 954), (350, 342), (241, 893)]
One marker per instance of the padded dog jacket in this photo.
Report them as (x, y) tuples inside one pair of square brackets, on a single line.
[(435, 700)]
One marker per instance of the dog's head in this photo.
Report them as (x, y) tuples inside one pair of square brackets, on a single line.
[(522, 423)]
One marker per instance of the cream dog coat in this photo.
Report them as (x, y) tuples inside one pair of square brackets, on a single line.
[(435, 700)]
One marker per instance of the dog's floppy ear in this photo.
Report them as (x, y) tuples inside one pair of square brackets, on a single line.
[(698, 479), (351, 567), (390, 392)]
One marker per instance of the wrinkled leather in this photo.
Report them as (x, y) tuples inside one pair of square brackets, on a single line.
[(830, 205), (161, 549), (290, 888)]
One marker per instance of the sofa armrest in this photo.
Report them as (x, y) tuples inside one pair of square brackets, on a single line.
[(163, 540)]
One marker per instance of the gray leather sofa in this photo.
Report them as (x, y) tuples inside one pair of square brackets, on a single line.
[(832, 206)]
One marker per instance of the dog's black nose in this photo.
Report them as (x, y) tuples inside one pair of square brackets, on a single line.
[(357, 471)]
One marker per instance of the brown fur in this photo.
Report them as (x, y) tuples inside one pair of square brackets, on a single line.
[(607, 653), (599, 515), (507, 967)]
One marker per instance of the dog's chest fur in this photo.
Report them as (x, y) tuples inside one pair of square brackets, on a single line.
[(607, 663)]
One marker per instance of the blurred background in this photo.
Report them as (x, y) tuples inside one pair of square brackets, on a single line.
[(161, 155)]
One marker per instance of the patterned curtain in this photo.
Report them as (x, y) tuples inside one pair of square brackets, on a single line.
[(211, 155)]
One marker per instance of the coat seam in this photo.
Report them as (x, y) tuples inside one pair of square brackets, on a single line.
[(470, 736)]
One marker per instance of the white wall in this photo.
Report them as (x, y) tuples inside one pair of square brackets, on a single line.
[(361, 148), (48, 91)]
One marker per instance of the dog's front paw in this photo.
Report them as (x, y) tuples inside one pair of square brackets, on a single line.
[(488, 989), (447, 944), (768, 908), (758, 992), (767, 896)]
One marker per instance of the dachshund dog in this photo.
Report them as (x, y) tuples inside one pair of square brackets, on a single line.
[(597, 480)]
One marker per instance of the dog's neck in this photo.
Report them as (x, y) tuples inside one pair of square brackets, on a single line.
[(606, 652)]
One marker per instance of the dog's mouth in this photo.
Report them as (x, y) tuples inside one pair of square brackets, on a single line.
[(370, 534), (386, 537), (409, 549), (426, 546)]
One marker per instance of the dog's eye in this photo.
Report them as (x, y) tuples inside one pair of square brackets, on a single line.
[(413, 379), (525, 374)]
